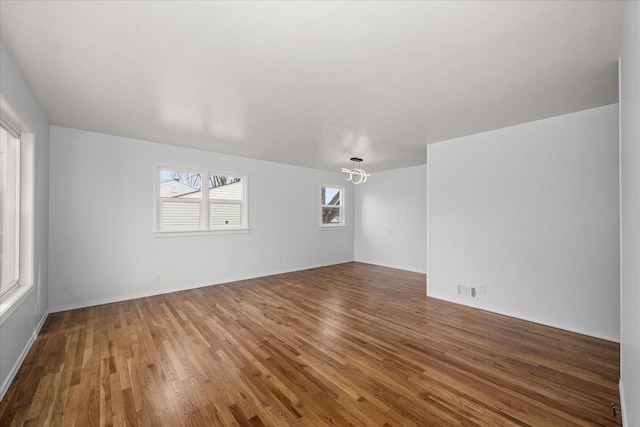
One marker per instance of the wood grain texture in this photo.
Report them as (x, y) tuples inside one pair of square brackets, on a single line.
[(351, 344)]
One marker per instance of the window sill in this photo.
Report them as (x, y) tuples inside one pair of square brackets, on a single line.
[(333, 227), (162, 234), (12, 300)]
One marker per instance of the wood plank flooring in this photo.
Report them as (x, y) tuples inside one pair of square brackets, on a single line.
[(351, 344)]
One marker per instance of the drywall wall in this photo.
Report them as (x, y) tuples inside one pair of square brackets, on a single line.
[(102, 211), (19, 330), (531, 212), (630, 214), (390, 213)]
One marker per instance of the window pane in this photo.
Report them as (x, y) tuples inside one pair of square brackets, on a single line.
[(331, 196), (180, 215), (225, 214), (225, 187), (9, 195), (180, 184), (331, 215)]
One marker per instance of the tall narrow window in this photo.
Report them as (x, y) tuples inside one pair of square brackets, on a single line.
[(10, 210), (16, 210), (332, 206), (184, 206)]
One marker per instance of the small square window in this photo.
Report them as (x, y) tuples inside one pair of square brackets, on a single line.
[(332, 206)]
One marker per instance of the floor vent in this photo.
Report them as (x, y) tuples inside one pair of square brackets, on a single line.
[(468, 291)]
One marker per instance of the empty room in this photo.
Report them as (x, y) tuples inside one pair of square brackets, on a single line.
[(320, 213)]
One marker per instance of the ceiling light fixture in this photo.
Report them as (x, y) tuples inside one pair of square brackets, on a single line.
[(356, 175)]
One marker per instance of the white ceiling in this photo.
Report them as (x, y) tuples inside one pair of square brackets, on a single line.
[(313, 83)]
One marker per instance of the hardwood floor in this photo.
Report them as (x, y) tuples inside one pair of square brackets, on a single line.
[(352, 344)]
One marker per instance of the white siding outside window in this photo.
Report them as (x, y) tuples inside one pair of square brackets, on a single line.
[(180, 215), (226, 202), (223, 214)]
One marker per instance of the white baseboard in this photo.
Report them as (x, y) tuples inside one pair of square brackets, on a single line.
[(623, 404), (397, 267), (14, 370), (170, 289), (570, 328)]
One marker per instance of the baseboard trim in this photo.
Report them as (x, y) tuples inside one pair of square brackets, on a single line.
[(23, 355), (520, 316), (623, 405), (171, 289), (397, 267)]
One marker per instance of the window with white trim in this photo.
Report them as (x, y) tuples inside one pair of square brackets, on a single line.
[(17, 210), (332, 206), (9, 210), (183, 206)]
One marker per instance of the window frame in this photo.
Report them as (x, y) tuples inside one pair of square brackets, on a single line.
[(16, 244), (13, 298), (343, 220), (205, 227)]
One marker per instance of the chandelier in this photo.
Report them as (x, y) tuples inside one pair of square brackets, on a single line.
[(356, 175)]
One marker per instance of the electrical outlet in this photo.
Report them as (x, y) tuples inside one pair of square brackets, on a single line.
[(482, 289), (157, 277), (278, 260), (468, 291)]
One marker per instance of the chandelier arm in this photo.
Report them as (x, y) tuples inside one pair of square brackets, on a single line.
[(361, 174), (348, 174), (355, 175)]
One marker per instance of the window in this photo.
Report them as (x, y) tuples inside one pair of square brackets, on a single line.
[(17, 210), (183, 206), (9, 211), (332, 206)]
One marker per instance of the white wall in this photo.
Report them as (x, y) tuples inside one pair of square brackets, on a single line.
[(102, 207), (390, 227), (19, 330), (531, 212), (630, 213)]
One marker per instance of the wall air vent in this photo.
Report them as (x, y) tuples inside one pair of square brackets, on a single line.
[(468, 291)]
